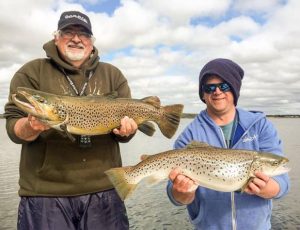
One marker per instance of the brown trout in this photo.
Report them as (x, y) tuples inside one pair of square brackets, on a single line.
[(220, 169), (96, 115)]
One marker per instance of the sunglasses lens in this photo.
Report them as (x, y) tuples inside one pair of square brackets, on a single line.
[(210, 88), (224, 87)]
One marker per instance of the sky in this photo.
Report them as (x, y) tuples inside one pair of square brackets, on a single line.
[(161, 46)]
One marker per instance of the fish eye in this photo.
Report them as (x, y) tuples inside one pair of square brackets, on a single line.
[(40, 99), (275, 163)]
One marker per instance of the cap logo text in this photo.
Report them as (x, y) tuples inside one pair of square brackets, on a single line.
[(76, 16)]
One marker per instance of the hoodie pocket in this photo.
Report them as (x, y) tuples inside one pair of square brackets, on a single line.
[(214, 210), (67, 163)]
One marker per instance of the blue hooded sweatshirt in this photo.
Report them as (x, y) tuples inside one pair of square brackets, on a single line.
[(211, 209)]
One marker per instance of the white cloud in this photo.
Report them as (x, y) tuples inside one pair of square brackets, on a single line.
[(178, 12), (161, 45), (256, 5)]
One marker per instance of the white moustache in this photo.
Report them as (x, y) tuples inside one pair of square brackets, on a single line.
[(76, 45)]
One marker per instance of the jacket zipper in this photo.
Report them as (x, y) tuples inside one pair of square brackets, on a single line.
[(233, 210)]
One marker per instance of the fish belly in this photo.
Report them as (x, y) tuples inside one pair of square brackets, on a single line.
[(217, 177)]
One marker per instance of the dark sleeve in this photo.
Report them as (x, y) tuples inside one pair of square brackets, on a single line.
[(12, 112)]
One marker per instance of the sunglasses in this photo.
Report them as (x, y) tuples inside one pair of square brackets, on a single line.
[(210, 88)]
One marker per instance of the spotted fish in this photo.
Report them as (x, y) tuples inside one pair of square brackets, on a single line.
[(95, 115), (220, 169)]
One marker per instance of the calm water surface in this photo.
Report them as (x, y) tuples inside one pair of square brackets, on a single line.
[(148, 207)]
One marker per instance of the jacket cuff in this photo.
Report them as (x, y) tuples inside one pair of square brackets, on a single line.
[(122, 139), (170, 194), (10, 126), (283, 181)]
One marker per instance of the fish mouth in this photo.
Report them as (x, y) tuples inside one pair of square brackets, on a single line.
[(29, 103), (30, 106), (280, 170), (285, 168)]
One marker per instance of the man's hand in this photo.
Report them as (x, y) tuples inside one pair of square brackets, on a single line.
[(183, 187), (36, 124), (29, 128), (127, 128), (263, 186)]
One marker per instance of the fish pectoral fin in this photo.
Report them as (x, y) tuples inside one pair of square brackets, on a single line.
[(147, 127), (69, 135), (63, 126), (198, 144)]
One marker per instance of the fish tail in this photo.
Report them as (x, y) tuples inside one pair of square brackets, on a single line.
[(117, 178), (170, 120)]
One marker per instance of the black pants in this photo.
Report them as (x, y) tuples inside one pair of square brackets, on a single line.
[(103, 210)]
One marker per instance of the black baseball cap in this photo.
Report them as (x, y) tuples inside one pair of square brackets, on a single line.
[(69, 18)]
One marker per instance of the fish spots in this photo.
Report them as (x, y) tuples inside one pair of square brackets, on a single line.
[(215, 168), (104, 114), (60, 110), (212, 167)]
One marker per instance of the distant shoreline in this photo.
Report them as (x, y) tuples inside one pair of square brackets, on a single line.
[(192, 115)]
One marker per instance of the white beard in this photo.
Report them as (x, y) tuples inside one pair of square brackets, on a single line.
[(74, 56)]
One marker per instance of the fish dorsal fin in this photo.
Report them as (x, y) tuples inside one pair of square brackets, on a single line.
[(198, 144), (144, 157), (152, 100)]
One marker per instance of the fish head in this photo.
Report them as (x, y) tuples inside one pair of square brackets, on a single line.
[(271, 164), (39, 104)]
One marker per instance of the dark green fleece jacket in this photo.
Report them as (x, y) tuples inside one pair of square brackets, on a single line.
[(52, 165)]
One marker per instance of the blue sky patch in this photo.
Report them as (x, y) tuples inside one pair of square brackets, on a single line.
[(100, 6)]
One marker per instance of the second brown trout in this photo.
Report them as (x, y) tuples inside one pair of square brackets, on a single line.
[(224, 170)]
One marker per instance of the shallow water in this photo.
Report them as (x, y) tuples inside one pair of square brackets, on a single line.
[(149, 207)]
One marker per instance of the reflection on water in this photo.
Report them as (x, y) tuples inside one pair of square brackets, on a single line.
[(148, 207)]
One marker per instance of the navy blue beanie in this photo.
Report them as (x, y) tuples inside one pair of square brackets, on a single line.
[(226, 69)]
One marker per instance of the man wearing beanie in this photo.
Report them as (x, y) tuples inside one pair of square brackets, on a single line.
[(224, 125), (62, 184)]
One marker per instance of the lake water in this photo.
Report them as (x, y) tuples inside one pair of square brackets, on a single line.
[(149, 207)]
